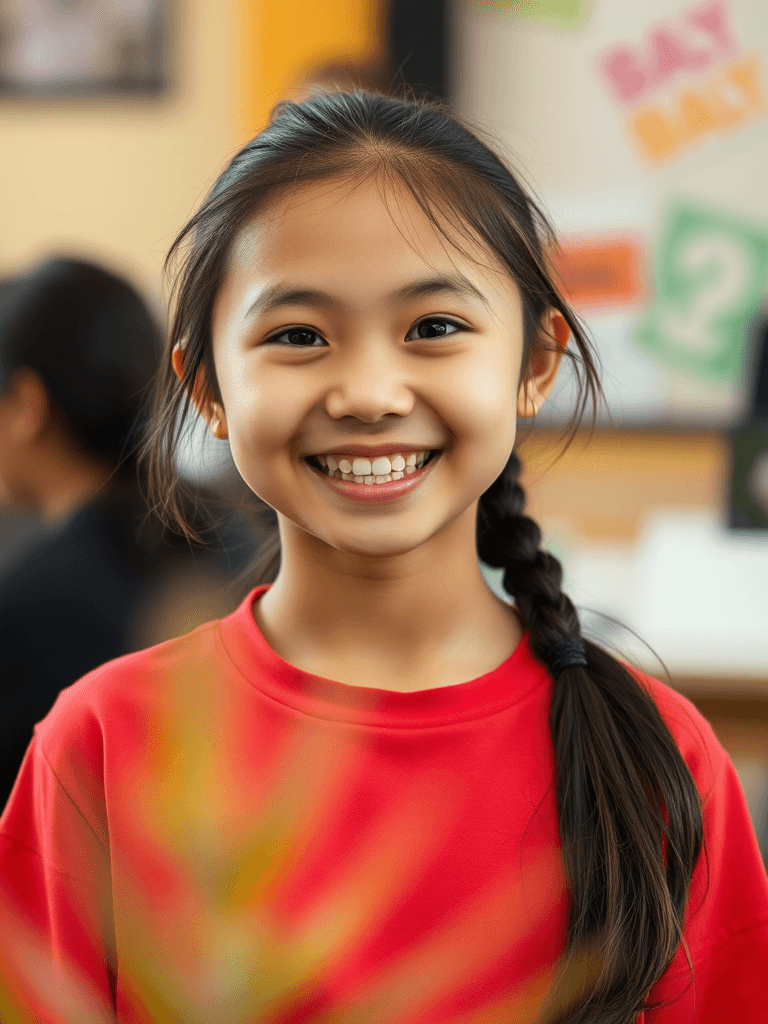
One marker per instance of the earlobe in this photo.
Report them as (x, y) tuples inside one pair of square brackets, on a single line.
[(544, 364), (217, 422), (528, 400), (212, 412)]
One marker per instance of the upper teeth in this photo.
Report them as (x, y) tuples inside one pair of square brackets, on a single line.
[(382, 465)]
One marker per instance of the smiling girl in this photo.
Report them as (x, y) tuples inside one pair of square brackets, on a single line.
[(496, 819)]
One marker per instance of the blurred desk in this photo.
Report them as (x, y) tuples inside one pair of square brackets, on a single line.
[(700, 594), (604, 486), (636, 518)]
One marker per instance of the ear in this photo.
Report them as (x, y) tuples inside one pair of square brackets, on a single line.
[(212, 412), (545, 361)]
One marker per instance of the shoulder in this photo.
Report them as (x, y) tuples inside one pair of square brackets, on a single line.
[(726, 921), (702, 751), (109, 704), (109, 710), (104, 727)]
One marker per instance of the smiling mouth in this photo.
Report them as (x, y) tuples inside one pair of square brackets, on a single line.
[(369, 478)]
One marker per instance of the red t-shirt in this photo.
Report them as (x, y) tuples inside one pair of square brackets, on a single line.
[(201, 831)]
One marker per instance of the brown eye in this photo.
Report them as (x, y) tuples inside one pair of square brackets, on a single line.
[(434, 327), (295, 337)]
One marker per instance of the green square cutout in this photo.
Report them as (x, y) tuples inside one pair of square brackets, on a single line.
[(711, 277)]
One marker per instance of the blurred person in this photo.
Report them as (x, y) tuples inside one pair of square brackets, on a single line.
[(485, 816), (78, 350)]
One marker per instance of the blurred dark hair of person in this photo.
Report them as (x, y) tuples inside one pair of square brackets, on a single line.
[(78, 351)]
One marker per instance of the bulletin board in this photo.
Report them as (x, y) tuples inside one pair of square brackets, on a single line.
[(643, 128)]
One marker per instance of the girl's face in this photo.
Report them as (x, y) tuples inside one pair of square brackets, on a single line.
[(345, 322)]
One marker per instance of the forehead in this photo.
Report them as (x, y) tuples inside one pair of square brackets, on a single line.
[(358, 240)]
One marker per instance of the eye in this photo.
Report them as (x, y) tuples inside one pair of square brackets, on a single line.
[(295, 337), (434, 327)]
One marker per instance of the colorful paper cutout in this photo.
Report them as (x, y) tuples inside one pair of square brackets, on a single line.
[(695, 41), (724, 92), (711, 276), (561, 12), (603, 272), (720, 103)]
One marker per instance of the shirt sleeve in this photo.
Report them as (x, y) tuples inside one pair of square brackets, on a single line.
[(56, 943), (726, 922)]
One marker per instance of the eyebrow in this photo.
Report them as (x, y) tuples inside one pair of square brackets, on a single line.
[(277, 296)]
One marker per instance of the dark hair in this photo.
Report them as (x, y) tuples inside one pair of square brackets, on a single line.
[(95, 345), (629, 812), (93, 342)]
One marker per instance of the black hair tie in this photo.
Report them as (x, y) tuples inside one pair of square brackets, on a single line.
[(566, 654)]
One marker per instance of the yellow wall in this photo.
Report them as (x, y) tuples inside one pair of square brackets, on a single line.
[(117, 178), (288, 39)]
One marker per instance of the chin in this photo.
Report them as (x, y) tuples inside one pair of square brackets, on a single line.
[(377, 547)]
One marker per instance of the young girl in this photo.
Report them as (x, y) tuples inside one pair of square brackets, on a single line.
[(376, 792)]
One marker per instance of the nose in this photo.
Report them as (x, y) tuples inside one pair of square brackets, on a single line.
[(369, 385)]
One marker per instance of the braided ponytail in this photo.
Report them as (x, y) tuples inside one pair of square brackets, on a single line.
[(628, 809)]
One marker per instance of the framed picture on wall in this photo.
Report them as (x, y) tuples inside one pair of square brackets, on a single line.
[(52, 48)]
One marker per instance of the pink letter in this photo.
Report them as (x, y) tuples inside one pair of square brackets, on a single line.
[(667, 55), (623, 71), (713, 19)]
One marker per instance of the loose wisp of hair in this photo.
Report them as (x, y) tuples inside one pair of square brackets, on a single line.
[(629, 812)]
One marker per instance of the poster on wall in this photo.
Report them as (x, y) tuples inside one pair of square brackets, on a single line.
[(689, 76), (644, 131), (59, 48)]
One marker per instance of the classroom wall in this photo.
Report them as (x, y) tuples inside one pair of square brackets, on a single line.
[(117, 177), (654, 175)]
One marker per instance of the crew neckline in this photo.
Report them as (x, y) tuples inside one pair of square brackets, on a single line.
[(261, 666)]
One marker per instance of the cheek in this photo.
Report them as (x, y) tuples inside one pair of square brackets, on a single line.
[(263, 422), (252, 406), (258, 429), (486, 394), (480, 411), (480, 400)]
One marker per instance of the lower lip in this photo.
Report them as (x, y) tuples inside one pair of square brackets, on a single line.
[(370, 494)]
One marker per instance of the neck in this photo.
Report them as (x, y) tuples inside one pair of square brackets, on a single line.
[(411, 621)]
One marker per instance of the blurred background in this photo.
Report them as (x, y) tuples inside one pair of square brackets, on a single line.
[(643, 128)]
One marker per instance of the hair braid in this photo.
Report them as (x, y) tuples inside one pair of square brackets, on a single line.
[(628, 809), (509, 540)]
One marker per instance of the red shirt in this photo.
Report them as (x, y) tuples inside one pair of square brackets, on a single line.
[(203, 828)]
